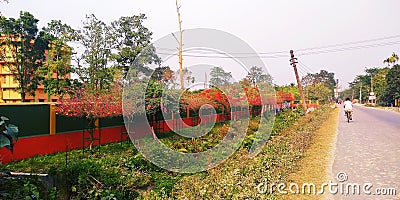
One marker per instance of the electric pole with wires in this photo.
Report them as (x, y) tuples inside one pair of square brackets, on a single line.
[(180, 47), (293, 62)]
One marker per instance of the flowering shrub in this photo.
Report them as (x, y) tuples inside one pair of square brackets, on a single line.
[(91, 104), (214, 97), (232, 97), (253, 96), (281, 97)]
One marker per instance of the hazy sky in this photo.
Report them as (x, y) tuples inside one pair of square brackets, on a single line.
[(267, 26)]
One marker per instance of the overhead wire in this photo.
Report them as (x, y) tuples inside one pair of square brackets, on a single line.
[(304, 49), (349, 48), (282, 54), (350, 43), (305, 66), (223, 55), (302, 69)]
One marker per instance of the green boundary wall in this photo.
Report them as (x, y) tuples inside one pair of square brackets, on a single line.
[(34, 120), (31, 119)]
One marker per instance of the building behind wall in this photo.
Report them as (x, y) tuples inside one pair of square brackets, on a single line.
[(9, 85)]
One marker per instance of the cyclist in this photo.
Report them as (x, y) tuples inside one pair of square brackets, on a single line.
[(348, 107)]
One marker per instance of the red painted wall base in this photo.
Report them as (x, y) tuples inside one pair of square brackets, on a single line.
[(49, 144)]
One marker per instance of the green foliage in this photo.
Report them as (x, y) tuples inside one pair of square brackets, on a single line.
[(154, 92), (285, 119), (383, 82), (393, 83), (318, 91), (93, 65), (195, 145), (115, 171), (163, 74), (58, 59), (256, 75), (323, 77), (131, 38), (292, 89), (362, 82), (112, 49), (380, 85), (238, 177), (392, 59), (24, 188), (187, 75), (165, 183)]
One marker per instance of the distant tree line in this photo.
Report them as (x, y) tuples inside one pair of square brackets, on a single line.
[(384, 82)]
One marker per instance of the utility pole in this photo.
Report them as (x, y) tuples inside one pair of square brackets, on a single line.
[(205, 83), (360, 93), (180, 47), (372, 95), (337, 89), (293, 63), (372, 86)]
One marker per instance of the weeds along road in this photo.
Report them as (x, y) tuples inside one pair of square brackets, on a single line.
[(368, 151)]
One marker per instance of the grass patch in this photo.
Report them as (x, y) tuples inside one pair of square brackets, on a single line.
[(314, 167), (239, 176)]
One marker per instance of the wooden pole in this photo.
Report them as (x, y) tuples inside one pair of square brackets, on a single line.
[(293, 63), (180, 48), (52, 119)]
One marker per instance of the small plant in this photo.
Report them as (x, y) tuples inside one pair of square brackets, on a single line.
[(8, 133), (22, 188)]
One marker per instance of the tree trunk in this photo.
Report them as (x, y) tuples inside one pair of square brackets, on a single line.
[(23, 94), (91, 129)]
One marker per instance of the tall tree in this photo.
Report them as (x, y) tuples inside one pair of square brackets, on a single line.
[(94, 64), (393, 83), (245, 82), (187, 75), (219, 77), (23, 50), (374, 77), (325, 77), (319, 91), (163, 74), (57, 69), (380, 85), (360, 83), (256, 75), (131, 39)]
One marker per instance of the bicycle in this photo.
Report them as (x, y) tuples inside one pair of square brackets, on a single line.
[(348, 115)]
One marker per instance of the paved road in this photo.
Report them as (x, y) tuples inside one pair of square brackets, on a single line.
[(368, 151)]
